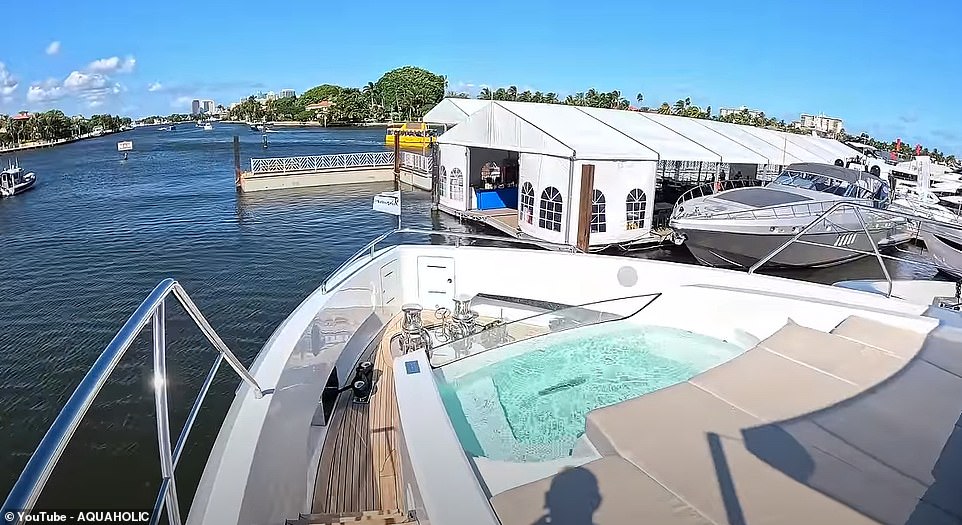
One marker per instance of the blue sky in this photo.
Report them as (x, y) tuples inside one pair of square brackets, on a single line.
[(890, 68)]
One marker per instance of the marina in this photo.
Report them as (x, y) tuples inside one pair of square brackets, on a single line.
[(285, 222)]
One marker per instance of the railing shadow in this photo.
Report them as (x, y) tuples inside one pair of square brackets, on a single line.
[(572, 498)]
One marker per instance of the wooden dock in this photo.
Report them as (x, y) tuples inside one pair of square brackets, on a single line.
[(359, 470)]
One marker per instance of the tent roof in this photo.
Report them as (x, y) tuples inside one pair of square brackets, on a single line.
[(780, 140), (775, 153), (453, 111), (548, 129), (728, 149), (668, 144), (608, 134)]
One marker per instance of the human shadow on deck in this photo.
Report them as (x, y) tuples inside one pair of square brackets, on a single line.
[(572, 498), (892, 453)]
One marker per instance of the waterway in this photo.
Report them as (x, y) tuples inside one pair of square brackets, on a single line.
[(80, 251)]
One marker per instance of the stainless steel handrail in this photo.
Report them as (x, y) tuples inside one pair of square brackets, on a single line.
[(729, 184), (858, 208), (23, 496), (372, 246)]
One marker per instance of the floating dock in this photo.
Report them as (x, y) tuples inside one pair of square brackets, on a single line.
[(332, 170)]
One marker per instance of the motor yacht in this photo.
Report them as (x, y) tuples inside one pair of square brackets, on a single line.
[(737, 227), (417, 385), (14, 180)]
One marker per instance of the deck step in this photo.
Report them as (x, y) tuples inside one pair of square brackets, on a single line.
[(368, 517)]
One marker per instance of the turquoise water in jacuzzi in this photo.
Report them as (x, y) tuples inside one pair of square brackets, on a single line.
[(531, 405)]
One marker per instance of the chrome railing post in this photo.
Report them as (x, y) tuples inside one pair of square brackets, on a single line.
[(163, 421), (215, 340), (878, 255)]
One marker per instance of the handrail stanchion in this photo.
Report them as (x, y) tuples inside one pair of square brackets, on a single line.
[(25, 492), (216, 341), (878, 255), (163, 421)]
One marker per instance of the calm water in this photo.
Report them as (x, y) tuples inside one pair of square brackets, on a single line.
[(80, 251)]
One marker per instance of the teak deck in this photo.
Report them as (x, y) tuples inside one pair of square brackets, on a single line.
[(359, 468)]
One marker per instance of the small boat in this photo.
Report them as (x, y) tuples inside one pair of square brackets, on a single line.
[(208, 126), (737, 227), (410, 134), (254, 127), (14, 181)]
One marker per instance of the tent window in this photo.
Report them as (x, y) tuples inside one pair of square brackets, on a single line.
[(457, 185), (527, 203), (635, 209), (442, 182), (549, 217), (598, 224)]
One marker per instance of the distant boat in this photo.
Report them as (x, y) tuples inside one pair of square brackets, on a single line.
[(208, 126), (13, 181), (254, 127)]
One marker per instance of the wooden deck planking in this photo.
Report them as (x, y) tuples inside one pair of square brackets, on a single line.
[(359, 465)]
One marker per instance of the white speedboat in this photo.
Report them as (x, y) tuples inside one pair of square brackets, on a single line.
[(737, 227), (14, 180), (419, 385), (208, 126)]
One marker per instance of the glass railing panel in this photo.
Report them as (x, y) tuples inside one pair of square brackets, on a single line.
[(451, 341)]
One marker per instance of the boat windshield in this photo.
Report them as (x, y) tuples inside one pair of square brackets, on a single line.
[(824, 184)]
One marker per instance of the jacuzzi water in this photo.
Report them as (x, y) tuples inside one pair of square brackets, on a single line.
[(531, 405)]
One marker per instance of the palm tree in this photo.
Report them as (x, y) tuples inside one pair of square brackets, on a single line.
[(485, 93), (640, 98), (512, 93), (664, 109)]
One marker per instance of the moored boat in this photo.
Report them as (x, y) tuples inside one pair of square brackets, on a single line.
[(14, 180), (737, 227), (410, 134), (421, 387)]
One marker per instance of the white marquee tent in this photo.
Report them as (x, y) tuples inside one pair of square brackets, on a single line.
[(628, 149), (452, 111)]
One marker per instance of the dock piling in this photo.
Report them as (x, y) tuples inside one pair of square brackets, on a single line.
[(584, 206)]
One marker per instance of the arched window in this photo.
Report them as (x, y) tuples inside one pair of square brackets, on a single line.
[(549, 216), (598, 224), (457, 184), (635, 210), (442, 182), (527, 203)]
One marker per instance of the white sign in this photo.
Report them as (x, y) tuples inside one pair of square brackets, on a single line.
[(388, 202), (125, 145)]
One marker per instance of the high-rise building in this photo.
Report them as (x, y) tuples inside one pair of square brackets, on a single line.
[(271, 95), (195, 107), (207, 106), (288, 93), (752, 113), (820, 123)]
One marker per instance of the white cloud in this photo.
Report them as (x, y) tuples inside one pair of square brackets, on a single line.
[(154, 86), (8, 83), (45, 92), (53, 48), (113, 65), (181, 102), (93, 88)]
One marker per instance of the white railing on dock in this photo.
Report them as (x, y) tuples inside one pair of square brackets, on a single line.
[(317, 163), (321, 162), (416, 161)]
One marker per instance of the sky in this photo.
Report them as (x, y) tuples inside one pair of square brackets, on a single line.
[(892, 69)]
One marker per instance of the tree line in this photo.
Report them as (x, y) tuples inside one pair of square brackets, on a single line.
[(405, 93), (54, 125)]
